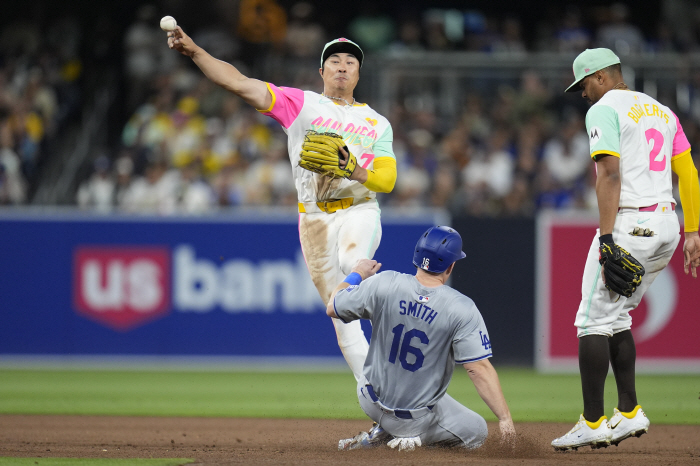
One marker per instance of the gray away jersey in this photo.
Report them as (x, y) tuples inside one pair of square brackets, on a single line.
[(418, 334)]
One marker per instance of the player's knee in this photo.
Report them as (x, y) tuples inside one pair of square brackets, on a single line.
[(479, 434), (347, 262)]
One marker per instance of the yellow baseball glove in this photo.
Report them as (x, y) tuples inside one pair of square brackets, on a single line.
[(320, 153)]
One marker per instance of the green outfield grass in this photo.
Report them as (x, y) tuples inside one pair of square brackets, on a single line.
[(531, 396)]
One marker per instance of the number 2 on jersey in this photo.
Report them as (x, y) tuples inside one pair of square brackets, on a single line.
[(406, 348), (656, 163)]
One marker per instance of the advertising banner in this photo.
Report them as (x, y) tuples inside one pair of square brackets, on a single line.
[(193, 286), (665, 325)]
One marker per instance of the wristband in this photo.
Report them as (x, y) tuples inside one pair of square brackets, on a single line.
[(606, 239), (353, 279)]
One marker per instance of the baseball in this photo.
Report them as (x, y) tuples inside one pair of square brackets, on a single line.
[(168, 23)]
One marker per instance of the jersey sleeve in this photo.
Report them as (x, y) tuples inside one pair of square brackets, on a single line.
[(603, 128), (471, 341), (287, 103), (680, 141), (357, 301), (384, 145)]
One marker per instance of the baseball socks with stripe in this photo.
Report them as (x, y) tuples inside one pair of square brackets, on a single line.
[(628, 420), (592, 428)]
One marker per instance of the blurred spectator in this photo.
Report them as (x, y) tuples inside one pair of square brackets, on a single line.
[(412, 184), (618, 34), (142, 43), (12, 184), (195, 196), (510, 40), (372, 29), (269, 179), (123, 171), (572, 37), (409, 39), (567, 155), (305, 37), (154, 193), (489, 174), (97, 192)]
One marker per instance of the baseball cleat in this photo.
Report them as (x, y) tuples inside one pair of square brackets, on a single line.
[(375, 437), (626, 425), (585, 434)]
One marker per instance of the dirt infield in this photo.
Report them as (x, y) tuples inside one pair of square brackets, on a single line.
[(272, 441)]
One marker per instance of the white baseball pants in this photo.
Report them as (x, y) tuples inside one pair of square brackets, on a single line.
[(332, 244), (603, 312), (448, 423)]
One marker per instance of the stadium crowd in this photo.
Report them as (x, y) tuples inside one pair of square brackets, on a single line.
[(188, 146), (39, 95)]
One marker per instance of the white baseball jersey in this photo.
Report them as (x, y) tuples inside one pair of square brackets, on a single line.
[(367, 135), (645, 135), (418, 334)]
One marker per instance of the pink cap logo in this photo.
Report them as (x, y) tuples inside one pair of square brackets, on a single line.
[(587, 70), (343, 39)]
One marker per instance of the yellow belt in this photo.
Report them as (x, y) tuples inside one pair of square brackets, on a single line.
[(328, 206)]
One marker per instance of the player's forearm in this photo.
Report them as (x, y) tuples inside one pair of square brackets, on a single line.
[(689, 190), (330, 307), (485, 380), (607, 190), (382, 178), (253, 91)]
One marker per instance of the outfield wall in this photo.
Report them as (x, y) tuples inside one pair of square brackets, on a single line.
[(233, 289), (232, 285)]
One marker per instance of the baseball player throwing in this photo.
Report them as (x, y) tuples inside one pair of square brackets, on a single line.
[(341, 154), (420, 329), (635, 142)]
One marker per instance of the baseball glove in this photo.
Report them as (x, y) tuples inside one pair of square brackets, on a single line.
[(320, 153), (622, 272)]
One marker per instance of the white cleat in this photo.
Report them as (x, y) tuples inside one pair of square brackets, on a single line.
[(585, 434), (626, 425), (405, 443), (375, 437)]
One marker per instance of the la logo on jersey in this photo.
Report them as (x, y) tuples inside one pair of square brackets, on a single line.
[(425, 264), (485, 342)]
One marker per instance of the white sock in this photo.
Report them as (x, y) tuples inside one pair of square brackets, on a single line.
[(353, 344)]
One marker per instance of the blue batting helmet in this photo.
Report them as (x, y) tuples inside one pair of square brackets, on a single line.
[(437, 248)]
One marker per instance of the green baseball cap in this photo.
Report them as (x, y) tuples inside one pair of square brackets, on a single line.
[(342, 45), (588, 62)]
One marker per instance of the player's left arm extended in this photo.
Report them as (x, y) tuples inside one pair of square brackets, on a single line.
[(607, 189), (485, 380), (689, 188)]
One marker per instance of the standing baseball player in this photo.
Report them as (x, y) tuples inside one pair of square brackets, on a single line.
[(341, 154), (635, 142), (420, 329)]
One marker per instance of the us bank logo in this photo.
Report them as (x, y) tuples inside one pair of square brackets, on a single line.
[(124, 287)]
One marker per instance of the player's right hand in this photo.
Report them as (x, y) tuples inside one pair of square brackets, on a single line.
[(178, 40), (507, 432), (366, 268), (691, 253)]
